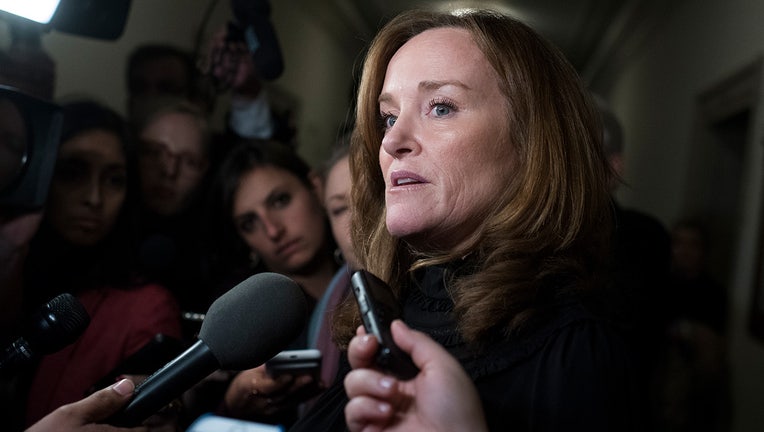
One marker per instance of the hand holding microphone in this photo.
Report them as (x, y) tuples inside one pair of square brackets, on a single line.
[(242, 329), (84, 414), (53, 326)]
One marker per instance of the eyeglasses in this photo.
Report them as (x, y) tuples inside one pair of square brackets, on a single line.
[(159, 154)]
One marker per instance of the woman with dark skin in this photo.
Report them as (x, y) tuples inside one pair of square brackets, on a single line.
[(84, 247)]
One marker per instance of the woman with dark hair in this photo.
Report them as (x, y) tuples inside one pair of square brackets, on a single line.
[(85, 247), (480, 197), (271, 200)]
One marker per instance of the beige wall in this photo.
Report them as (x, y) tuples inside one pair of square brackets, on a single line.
[(699, 44), (317, 77), (318, 74), (95, 67)]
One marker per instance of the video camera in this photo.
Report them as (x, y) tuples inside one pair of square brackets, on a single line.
[(29, 134)]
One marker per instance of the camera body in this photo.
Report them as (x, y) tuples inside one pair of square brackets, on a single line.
[(29, 134)]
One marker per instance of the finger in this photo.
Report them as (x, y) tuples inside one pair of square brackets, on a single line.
[(101, 404), (297, 394), (360, 331), (421, 347), (365, 414), (272, 387), (369, 382), (362, 350)]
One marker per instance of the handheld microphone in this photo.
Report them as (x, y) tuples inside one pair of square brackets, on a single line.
[(53, 326), (242, 329)]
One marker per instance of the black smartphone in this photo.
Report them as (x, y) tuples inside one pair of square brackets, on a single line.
[(378, 309), (295, 362)]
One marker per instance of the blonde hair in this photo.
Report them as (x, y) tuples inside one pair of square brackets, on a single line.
[(152, 109), (549, 230)]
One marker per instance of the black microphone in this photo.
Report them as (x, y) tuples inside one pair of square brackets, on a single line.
[(53, 326), (243, 328), (253, 17)]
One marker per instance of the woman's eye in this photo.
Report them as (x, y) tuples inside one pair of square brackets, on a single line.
[(388, 120), (117, 180), (71, 171), (282, 200), (247, 225), (441, 110), (338, 211)]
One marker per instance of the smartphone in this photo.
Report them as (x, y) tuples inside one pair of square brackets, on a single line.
[(295, 362), (378, 309)]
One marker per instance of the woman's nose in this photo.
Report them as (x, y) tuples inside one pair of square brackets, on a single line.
[(273, 227), (401, 138), (93, 193)]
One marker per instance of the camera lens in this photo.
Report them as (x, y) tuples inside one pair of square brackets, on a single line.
[(14, 150)]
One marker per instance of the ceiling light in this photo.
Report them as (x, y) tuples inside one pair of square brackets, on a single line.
[(40, 11)]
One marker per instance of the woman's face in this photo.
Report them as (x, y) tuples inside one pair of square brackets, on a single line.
[(445, 155), (280, 219), (337, 204), (88, 187), (172, 162)]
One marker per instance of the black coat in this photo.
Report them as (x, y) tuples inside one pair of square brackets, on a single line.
[(572, 372)]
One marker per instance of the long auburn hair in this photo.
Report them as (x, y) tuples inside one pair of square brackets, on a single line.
[(549, 232)]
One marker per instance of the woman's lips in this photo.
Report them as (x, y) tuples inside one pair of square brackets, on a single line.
[(288, 248), (87, 223), (405, 178)]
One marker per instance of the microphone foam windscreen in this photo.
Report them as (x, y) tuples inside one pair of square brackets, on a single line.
[(57, 324), (254, 320)]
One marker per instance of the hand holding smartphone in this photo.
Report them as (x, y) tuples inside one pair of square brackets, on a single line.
[(378, 310)]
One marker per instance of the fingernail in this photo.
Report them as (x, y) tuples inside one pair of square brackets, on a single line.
[(386, 382), (124, 387), (366, 339)]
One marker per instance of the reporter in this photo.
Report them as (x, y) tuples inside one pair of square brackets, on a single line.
[(86, 246), (272, 214), (85, 414), (441, 397)]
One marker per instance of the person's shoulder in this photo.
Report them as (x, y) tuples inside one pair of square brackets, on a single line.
[(151, 288), (639, 221), (568, 332), (141, 294), (579, 330), (579, 321)]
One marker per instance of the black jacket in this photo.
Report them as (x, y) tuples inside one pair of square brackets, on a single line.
[(572, 372)]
